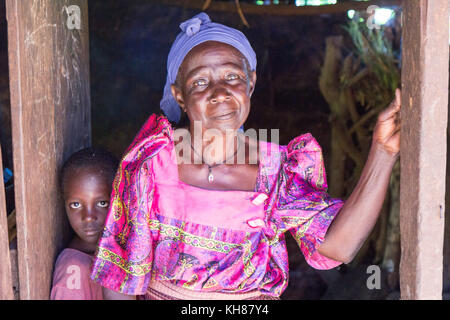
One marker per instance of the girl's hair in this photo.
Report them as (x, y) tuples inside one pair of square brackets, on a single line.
[(102, 160)]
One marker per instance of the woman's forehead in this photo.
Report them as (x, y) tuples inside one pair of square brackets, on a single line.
[(212, 53), (211, 45)]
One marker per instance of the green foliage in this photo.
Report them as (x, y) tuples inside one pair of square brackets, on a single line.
[(375, 51)]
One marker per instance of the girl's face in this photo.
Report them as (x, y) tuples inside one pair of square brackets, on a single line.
[(86, 199), (214, 86)]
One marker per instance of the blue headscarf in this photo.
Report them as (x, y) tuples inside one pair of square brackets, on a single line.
[(195, 31)]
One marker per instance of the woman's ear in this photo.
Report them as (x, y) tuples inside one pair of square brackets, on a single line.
[(178, 96), (251, 83)]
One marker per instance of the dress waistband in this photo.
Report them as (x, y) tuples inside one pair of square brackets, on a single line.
[(165, 290)]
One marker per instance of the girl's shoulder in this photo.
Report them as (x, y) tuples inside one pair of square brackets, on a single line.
[(71, 277), (71, 256)]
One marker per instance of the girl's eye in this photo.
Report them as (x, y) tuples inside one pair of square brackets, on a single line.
[(75, 205), (103, 204), (200, 82)]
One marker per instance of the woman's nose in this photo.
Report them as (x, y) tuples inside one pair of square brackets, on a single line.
[(219, 94)]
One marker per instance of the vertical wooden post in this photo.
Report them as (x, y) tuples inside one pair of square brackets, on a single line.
[(48, 48), (6, 286), (425, 77)]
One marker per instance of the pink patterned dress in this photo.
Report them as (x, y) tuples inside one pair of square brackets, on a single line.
[(162, 229)]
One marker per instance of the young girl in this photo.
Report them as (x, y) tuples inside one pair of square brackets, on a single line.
[(86, 180)]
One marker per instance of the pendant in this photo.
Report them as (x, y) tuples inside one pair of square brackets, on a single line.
[(210, 176)]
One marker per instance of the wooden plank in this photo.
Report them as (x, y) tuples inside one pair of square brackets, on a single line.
[(6, 286), (423, 147), (280, 9), (49, 84)]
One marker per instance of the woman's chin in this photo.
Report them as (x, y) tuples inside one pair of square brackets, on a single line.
[(232, 124)]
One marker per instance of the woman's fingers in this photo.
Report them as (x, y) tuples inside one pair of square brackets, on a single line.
[(394, 108), (391, 143), (387, 129)]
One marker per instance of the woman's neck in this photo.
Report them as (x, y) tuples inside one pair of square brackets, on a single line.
[(216, 149)]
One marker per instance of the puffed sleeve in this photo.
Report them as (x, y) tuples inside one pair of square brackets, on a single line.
[(123, 259), (300, 200)]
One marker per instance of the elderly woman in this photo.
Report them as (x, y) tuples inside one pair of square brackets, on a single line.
[(199, 215)]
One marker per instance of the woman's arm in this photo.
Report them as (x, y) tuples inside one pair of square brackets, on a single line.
[(360, 212), (113, 295)]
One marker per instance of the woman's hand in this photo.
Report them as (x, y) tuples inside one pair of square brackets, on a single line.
[(386, 134)]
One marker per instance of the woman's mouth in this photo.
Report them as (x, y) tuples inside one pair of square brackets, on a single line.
[(225, 116)]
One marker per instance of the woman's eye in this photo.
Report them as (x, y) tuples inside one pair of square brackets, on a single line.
[(200, 83), (103, 204), (232, 76), (75, 205)]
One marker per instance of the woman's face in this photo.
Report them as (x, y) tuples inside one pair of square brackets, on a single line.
[(214, 86)]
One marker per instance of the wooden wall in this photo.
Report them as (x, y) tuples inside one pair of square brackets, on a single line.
[(423, 147), (6, 287), (50, 111)]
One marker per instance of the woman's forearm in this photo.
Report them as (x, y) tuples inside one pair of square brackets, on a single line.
[(360, 212)]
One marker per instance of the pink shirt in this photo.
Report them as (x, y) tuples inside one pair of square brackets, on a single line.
[(71, 277)]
